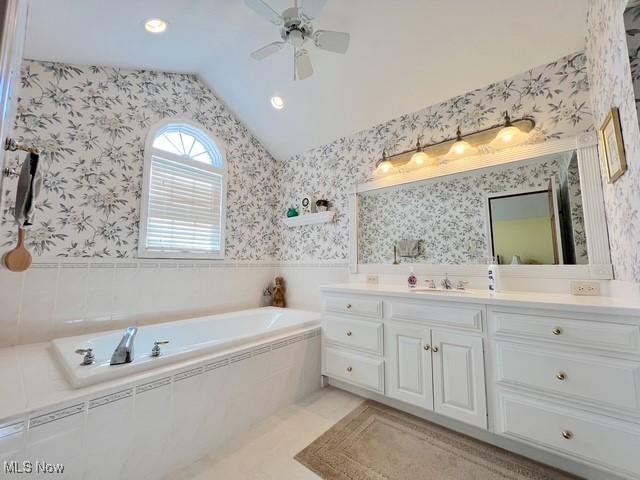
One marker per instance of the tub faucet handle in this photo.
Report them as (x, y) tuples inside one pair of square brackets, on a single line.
[(88, 357), (155, 351)]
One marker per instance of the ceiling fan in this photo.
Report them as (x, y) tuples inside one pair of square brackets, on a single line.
[(296, 30)]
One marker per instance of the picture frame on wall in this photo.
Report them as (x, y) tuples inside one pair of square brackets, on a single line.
[(613, 146)]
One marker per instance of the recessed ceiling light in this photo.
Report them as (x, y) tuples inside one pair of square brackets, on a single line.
[(155, 25), (277, 102)]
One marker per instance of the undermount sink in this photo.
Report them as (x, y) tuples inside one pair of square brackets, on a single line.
[(437, 290)]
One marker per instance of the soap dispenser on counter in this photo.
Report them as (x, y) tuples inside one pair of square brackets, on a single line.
[(494, 275), (412, 281)]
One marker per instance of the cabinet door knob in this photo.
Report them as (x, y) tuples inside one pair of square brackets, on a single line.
[(349, 369), (348, 306), (557, 331), (561, 376), (349, 333), (567, 434), (426, 347), (434, 349)]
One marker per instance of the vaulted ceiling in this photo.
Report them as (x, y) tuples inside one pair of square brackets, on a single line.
[(404, 54)]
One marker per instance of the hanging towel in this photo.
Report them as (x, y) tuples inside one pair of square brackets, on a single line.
[(29, 184)]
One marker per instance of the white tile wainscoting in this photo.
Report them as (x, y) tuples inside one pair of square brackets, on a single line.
[(71, 297), (166, 421)]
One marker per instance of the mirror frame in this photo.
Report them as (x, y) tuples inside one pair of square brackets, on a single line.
[(586, 147)]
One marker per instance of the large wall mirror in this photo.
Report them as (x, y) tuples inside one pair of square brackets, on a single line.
[(530, 210)]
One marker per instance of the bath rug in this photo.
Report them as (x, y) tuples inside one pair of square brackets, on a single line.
[(376, 442)]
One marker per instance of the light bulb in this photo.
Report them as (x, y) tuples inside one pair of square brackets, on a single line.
[(384, 168), (509, 136), (277, 102), (155, 25), (461, 149), (418, 160)]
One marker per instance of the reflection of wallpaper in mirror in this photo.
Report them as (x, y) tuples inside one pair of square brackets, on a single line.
[(448, 215), (632, 27)]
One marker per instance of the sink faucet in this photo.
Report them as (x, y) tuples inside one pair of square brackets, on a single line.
[(446, 283), (124, 351)]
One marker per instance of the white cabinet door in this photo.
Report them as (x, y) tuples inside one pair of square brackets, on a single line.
[(458, 377), (409, 370)]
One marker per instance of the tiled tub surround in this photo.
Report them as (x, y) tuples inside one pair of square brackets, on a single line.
[(147, 425), (183, 339), (74, 297)]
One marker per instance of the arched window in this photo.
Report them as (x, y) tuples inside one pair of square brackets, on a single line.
[(184, 194)]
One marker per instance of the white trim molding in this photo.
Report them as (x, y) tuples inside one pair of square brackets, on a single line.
[(586, 148)]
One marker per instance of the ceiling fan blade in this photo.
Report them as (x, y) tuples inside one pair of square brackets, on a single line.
[(267, 50), (312, 8), (303, 67), (337, 42), (265, 11)]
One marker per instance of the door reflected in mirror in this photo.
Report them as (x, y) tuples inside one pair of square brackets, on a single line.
[(525, 228)]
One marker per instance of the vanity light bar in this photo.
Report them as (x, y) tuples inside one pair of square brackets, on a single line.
[(475, 139)]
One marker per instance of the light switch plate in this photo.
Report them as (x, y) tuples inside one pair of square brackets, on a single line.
[(372, 279), (589, 289)]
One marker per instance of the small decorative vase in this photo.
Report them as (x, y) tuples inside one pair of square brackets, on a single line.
[(292, 212)]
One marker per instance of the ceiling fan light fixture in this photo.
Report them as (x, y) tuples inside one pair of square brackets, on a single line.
[(277, 102), (509, 136), (155, 25)]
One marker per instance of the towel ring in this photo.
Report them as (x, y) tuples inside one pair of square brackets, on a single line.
[(11, 145)]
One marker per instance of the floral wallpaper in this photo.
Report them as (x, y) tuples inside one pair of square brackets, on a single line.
[(448, 216), (92, 123), (556, 95), (612, 86)]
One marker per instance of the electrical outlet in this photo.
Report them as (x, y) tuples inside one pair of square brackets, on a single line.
[(372, 279), (585, 288)]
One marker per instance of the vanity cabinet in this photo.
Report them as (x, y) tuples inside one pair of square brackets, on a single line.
[(437, 370), (557, 377), (410, 365)]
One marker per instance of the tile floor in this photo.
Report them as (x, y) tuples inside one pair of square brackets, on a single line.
[(266, 451)]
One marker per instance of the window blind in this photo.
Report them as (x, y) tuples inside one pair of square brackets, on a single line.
[(184, 209)]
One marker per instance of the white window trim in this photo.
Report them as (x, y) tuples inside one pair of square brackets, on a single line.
[(149, 151)]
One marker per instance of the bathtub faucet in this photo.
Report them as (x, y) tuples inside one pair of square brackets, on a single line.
[(124, 351)]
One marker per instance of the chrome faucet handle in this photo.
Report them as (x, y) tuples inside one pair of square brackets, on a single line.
[(88, 358), (155, 351), (461, 285), (430, 283)]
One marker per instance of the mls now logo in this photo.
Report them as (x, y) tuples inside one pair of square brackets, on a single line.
[(33, 467)]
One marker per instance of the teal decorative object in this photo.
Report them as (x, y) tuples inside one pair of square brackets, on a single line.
[(292, 212)]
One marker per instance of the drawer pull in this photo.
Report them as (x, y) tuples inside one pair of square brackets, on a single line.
[(349, 369), (434, 349), (567, 434), (561, 376), (557, 331), (349, 333), (426, 347), (348, 306)]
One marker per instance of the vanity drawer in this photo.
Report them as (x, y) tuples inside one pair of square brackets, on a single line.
[(357, 369), (367, 307), (468, 318), (596, 379), (364, 335), (593, 438), (615, 337)]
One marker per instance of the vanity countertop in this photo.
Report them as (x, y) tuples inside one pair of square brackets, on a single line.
[(558, 301)]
